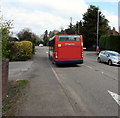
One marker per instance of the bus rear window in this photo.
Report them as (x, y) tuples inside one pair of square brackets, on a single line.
[(69, 38)]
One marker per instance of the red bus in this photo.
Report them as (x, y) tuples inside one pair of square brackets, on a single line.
[(66, 49)]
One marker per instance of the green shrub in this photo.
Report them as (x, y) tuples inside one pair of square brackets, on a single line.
[(10, 48), (7, 49), (5, 27), (115, 43), (22, 50), (110, 42)]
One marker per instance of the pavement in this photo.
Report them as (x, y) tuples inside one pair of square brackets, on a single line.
[(17, 69)]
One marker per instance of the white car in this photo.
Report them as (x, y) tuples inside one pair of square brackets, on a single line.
[(110, 57), (41, 45)]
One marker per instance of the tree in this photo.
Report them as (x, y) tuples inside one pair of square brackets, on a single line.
[(27, 35), (71, 28), (45, 38), (89, 29), (5, 26), (54, 32), (79, 27)]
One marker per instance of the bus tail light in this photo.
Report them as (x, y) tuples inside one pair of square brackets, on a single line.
[(82, 43), (82, 54), (56, 55), (59, 45)]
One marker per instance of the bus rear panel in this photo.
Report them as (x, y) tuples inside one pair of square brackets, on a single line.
[(66, 49)]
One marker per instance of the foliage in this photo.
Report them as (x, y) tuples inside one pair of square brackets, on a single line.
[(110, 42), (79, 27), (102, 41), (5, 27), (15, 91), (51, 34), (27, 35), (71, 29), (45, 38), (54, 32), (90, 25), (22, 50), (39, 42), (10, 47)]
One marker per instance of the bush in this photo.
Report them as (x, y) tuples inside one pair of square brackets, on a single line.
[(5, 27), (115, 43), (10, 49), (22, 50), (110, 42)]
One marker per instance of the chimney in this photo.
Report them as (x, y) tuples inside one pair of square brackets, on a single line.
[(113, 30)]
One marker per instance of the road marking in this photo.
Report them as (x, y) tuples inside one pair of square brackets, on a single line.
[(47, 52), (55, 73), (89, 67), (115, 96)]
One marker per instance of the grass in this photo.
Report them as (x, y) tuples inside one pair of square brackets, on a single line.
[(15, 91)]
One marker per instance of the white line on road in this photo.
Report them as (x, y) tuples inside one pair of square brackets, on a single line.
[(115, 96), (88, 66), (55, 73)]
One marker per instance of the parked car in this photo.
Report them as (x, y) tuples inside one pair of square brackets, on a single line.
[(41, 45), (110, 57)]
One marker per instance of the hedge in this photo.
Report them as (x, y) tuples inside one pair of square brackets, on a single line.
[(22, 50), (110, 42)]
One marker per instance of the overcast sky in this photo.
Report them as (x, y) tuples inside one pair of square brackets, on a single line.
[(41, 15)]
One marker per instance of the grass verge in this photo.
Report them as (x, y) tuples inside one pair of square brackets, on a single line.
[(15, 91)]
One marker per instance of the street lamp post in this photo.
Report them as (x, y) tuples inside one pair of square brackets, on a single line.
[(97, 47), (78, 26)]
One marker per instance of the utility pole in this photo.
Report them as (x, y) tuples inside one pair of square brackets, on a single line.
[(71, 26), (97, 47), (119, 16), (78, 26), (71, 20)]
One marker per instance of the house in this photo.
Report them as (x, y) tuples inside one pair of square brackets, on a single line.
[(13, 39), (113, 32)]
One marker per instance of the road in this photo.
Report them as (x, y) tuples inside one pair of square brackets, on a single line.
[(87, 86), (80, 90)]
